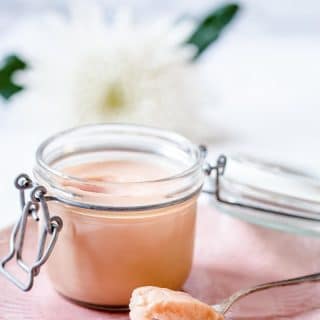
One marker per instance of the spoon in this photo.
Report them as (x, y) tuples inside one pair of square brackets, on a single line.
[(226, 304), (219, 309)]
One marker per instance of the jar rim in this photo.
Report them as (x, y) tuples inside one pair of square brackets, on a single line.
[(170, 136)]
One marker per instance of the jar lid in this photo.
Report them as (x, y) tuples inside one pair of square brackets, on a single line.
[(268, 193)]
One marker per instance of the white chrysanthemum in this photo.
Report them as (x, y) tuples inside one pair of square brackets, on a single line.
[(85, 70)]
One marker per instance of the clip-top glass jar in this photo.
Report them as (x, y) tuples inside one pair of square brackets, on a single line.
[(127, 196)]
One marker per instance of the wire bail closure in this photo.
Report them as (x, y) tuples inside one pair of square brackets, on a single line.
[(50, 226)]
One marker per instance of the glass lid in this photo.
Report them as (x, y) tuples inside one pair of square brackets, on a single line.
[(268, 194)]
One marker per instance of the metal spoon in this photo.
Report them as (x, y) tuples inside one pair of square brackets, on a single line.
[(226, 304)]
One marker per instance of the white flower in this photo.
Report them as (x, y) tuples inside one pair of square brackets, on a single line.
[(85, 70)]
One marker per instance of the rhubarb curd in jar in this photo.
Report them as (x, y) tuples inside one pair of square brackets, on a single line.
[(128, 215)]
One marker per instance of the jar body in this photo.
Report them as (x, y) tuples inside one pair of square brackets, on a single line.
[(127, 196), (98, 261)]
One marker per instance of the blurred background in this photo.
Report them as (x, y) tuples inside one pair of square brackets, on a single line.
[(263, 76)]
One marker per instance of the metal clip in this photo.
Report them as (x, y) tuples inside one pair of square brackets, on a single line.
[(50, 226)]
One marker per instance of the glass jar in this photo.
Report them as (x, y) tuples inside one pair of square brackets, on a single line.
[(127, 196)]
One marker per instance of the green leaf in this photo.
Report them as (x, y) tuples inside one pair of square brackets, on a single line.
[(10, 65), (211, 27)]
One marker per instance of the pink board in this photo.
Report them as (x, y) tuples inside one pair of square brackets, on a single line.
[(229, 254)]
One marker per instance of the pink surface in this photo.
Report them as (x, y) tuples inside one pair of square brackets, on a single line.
[(230, 254)]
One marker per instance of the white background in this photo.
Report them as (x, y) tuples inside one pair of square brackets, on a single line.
[(265, 74)]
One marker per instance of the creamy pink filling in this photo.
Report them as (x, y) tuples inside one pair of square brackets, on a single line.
[(150, 303), (104, 255)]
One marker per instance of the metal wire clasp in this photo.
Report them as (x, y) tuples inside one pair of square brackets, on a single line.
[(219, 169), (50, 228)]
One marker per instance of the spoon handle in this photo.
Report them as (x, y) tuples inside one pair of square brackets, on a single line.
[(226, 304)]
